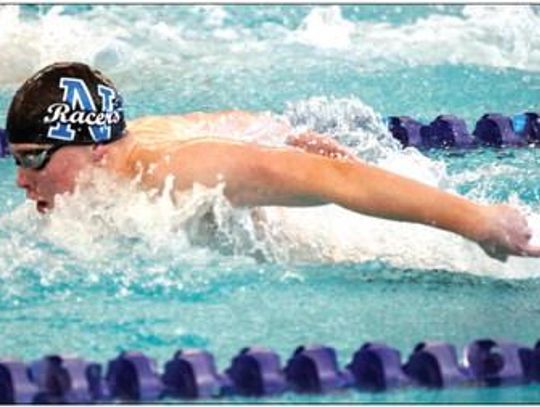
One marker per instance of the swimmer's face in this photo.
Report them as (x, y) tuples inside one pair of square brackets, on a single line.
[(57, 176)]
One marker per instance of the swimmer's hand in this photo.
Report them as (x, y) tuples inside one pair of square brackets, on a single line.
[(507, 234)]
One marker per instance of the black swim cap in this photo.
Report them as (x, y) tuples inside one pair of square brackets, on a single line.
[(66, 103)]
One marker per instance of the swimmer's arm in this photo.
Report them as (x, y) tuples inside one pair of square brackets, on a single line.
[(256, 175)]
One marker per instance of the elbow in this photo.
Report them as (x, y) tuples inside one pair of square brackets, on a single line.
[(249, 184), (263, 183)]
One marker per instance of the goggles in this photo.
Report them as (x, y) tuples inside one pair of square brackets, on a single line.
[(35, 159)]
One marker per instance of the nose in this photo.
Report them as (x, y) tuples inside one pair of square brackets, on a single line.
[(23, 179)]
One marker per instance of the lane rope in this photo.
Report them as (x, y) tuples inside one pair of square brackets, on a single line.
[(258, 372)]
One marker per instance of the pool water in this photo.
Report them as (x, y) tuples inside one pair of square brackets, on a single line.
[(111, 269)]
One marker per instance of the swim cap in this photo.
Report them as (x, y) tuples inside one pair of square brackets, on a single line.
[(63, 104)]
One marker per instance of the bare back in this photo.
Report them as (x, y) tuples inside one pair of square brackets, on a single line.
[(157, 137), (234, 124)]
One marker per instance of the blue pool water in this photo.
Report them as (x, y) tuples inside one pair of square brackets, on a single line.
[(112, 270)]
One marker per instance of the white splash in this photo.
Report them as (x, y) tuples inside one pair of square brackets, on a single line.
[(28, 45), (143, 43), (495, 36), (325, 27), (349, 120)]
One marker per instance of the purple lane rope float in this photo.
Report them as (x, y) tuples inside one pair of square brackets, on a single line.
[(4, 150), (447, 131), (258, 372)]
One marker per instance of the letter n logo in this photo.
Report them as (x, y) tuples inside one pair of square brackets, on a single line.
[(77, 97)]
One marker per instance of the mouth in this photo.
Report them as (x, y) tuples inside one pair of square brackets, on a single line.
[(42, 206)]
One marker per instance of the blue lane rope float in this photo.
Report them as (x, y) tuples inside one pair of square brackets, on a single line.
[(258, 372), (447, 131)]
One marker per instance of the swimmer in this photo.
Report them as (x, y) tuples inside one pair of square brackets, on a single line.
[(69, 117)]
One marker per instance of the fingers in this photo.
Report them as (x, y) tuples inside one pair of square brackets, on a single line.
[(492, 251), (511, 235), (531, 251)]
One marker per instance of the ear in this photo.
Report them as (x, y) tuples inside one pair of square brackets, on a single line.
[(99, 151)]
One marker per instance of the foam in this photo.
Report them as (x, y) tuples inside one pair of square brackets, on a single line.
[(28, 45), (496, 36), (150, 39), (326, 28)]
